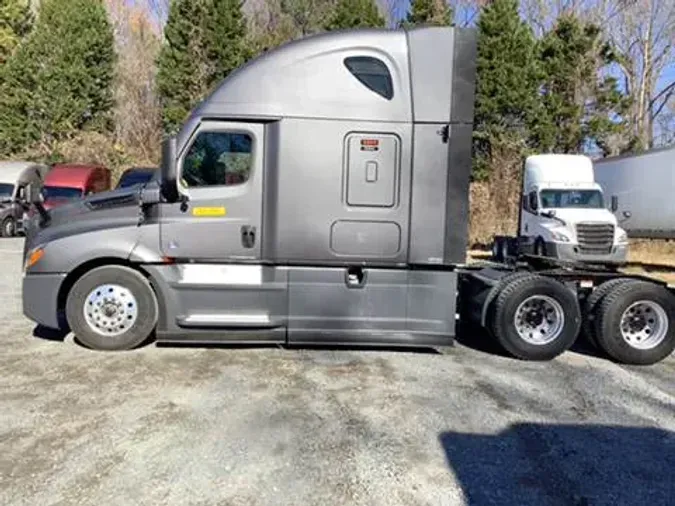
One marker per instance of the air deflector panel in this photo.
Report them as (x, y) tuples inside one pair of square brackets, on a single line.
[(372, 168)]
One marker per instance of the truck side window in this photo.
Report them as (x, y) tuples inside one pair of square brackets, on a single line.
[(373, 73), (218, 159)]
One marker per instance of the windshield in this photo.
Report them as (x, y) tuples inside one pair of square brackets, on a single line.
[(557, 199), (6, 191), (61, 192)]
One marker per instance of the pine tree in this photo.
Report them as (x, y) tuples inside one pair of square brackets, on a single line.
[(428, 12), (16, 21), (225, 39), (506, 82), (182, 67), (349, 14), (578, 106), (59, 80), (205, 41)]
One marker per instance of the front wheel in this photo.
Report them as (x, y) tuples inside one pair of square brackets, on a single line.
[(112, 308), (8, 227), (635, 323), (535, 318)]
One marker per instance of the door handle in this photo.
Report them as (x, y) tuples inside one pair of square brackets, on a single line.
[(248, 236)]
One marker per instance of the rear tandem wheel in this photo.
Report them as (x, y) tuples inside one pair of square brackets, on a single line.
[(534, 317), (635, 323)]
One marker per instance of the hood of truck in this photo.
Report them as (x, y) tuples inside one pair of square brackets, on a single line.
[(574, 216), (106, 210)]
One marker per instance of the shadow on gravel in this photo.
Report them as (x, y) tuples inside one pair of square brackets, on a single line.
[(478, 339), (543, 464), (49, 334), (296, 347)]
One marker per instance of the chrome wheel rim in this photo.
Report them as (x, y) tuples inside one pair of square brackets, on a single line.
[(110, 310), (539, 320), (644, 325)]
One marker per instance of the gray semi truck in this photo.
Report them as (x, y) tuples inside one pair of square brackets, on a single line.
[(320, 195)]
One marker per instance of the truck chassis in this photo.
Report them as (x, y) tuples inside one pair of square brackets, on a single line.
[(524, 303)]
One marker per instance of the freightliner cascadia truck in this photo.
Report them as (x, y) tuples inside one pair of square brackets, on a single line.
[(564, 214), (320, 194)]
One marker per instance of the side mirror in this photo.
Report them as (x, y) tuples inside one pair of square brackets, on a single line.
[(615, 203), (169, 185), (627, 214)]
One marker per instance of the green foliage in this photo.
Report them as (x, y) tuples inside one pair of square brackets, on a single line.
[(349, 14), (205, 41), (225, 38), (428, 12), (59, 81), (16, 21), (506, 85), (307, 16), (577, 105), (182, 67)]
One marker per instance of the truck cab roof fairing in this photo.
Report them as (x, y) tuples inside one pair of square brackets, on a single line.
[(309, 78)]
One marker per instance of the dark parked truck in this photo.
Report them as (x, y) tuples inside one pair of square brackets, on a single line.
[(14, 175), (136, 176), (320, 195)]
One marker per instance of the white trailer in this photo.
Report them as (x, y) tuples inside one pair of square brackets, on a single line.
[(640, 189)]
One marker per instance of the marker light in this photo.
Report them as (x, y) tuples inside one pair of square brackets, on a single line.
[(34, 257)]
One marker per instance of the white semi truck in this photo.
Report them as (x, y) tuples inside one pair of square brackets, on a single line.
[(564, 214)]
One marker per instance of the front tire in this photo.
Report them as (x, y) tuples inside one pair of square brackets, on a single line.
[(112, 308), (8, 227), (636, 323), (535, 318)]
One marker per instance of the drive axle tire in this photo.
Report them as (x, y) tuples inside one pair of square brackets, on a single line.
[(635, 323), (535, 318), (112, 308), (591, 305)]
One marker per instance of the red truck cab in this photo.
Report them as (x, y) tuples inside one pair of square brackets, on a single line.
[(67, 182)]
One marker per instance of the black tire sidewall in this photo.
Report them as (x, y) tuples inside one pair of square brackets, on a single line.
[(148, 309), (505, 331), (609, 325), (592, 305), (7, 222)]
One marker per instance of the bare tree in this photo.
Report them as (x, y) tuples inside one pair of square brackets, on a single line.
[(137, 128)]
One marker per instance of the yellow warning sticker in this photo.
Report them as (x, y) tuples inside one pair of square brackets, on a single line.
[(209, 211)]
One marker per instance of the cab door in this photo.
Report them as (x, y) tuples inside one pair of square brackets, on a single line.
[(221, 173)]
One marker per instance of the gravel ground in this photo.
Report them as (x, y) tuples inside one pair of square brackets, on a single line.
[(238, 426)]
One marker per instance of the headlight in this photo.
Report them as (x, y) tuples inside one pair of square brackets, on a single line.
[(622, 238), (560, 237)]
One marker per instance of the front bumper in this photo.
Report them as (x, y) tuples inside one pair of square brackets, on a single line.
[(570, 252), (40, 298)]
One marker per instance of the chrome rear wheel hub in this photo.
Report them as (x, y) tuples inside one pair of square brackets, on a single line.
[(644, 325)]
